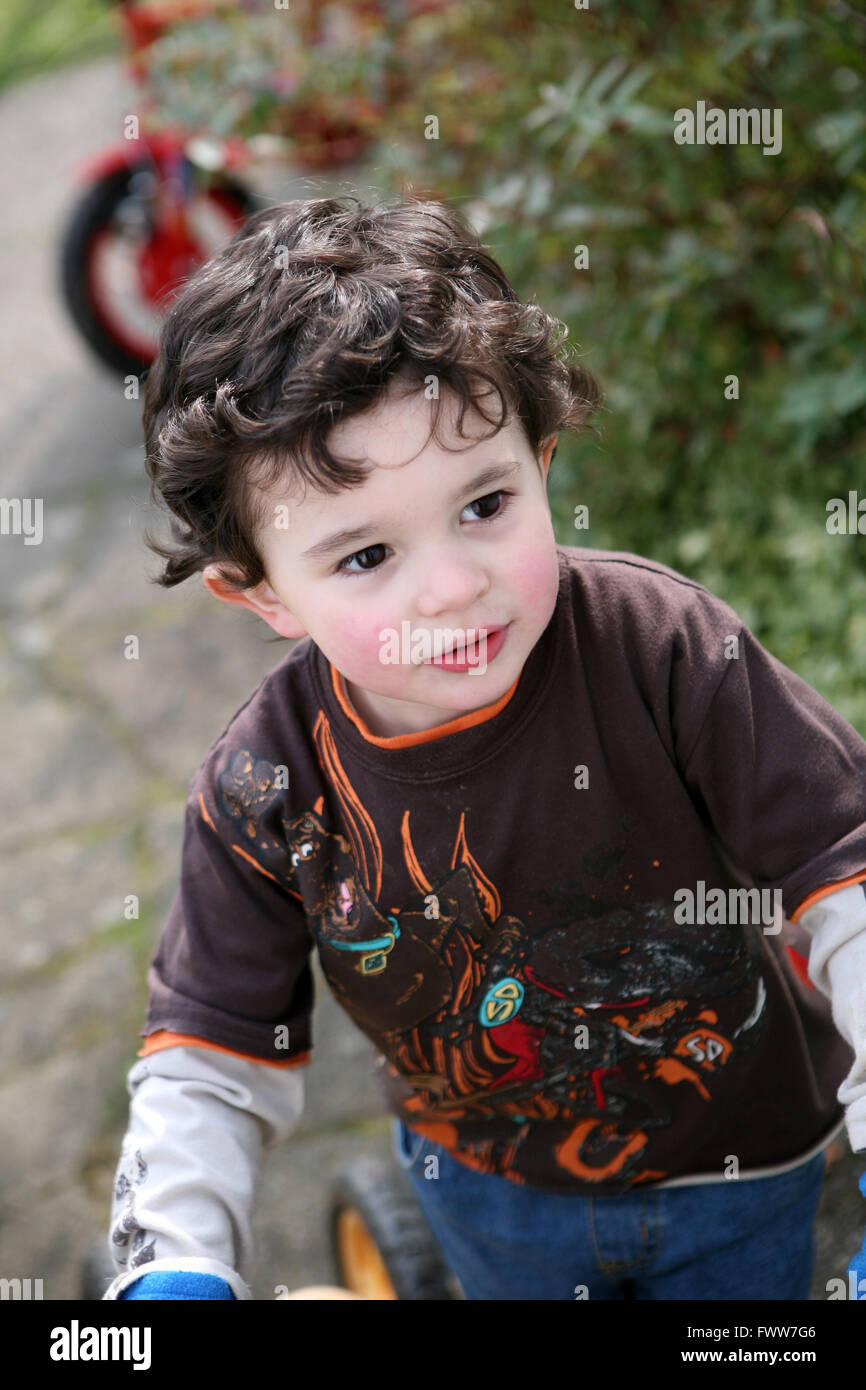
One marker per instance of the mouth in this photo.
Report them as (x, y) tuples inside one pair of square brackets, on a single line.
[(475, 655)]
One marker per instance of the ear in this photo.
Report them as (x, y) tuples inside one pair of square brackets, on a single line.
[(547, 454), (260, 600)]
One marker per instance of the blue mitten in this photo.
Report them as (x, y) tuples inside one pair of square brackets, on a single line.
[(857, 1267), (177, 1283)]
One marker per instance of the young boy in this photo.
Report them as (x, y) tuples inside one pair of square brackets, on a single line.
[(563, 834)]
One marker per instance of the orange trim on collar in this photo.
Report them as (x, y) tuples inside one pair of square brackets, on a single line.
[(162, 1038), (825, 892), (465, 721)]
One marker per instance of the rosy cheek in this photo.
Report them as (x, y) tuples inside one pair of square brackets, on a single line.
[(534, 575), (359, 640)]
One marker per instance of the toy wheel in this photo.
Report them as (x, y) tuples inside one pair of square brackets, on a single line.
[(118, 273), (381, 1243), (97, 1272)]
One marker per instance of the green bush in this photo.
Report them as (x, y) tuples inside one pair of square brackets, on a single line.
[(40, 38), (556, 129)]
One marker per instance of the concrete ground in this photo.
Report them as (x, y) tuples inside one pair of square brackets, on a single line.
[(95, 756)]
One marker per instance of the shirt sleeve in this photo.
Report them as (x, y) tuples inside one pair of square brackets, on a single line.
[(184, 1192), (837, 966), (227, 1031), (775, 770), (232, 964)]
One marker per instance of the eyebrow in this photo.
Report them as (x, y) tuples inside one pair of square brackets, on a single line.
[(339, 540)]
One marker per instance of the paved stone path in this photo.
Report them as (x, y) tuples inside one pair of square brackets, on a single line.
[(96, 756)]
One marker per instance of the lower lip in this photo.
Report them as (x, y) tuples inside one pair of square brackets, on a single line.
[(479, 656)]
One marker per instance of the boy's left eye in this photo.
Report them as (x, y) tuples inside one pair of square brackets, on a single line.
[(374, 552), (491, 497)]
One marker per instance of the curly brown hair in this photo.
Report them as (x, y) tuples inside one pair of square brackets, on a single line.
[(311, 312)]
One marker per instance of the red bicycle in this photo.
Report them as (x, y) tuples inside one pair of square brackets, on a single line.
[(158, 204)]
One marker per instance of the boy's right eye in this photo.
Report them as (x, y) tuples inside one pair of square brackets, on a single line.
[(373, 550)]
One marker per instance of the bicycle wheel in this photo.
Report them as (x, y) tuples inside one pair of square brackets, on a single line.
[(381, 1244), (118, 273)]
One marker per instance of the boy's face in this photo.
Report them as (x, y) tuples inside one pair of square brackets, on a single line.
[(436, 551)]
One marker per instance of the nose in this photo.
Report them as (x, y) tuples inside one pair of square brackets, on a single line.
[(450, 583)]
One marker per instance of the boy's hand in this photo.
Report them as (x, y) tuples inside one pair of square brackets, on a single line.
[(177, 1284), (857, 1267)]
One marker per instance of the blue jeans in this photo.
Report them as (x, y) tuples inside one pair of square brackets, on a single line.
[(738, 1239)]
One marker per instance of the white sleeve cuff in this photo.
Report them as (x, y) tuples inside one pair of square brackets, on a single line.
[(837, 967), (199, 1122), (198, 1266)]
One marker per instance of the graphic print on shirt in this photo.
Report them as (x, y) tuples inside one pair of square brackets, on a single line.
[(478, 1017), (131, 1173)]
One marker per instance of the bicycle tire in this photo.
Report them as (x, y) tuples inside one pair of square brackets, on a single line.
[(89, 215), (380, 1195)]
